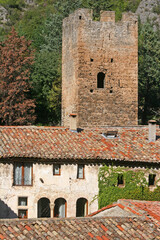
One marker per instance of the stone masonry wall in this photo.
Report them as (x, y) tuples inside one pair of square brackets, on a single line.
[(90, 47), (65, 186)]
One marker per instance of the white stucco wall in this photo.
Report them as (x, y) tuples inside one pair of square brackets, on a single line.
[(66, 186)]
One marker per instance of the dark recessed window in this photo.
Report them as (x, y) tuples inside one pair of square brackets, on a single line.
[(80, 17), (56, 169), (111, 91), (120, 179), (100, 80), (91, 90), (80, 171), (152, 178), (91, 59), (22, 213), (111, 59), (22, 201)]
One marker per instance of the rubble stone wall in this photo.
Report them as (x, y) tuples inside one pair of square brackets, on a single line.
[(92, 47)]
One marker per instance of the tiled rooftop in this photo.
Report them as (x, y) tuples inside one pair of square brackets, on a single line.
[(80, 228), (60, 143), (149, 209)]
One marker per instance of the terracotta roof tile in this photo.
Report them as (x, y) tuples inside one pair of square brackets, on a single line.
[(80, 228), (60, 143), (148, 209)]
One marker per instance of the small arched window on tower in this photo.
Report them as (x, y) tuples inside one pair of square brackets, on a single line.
[(100, 80)]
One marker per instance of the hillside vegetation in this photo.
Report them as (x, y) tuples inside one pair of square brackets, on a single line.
[(41, 22)]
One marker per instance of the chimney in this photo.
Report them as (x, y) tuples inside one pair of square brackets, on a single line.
[(152, 130), (73, 122)]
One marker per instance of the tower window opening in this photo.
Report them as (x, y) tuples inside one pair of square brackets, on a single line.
[(80, 17), (91, 59), (111, 60), (100, 80)]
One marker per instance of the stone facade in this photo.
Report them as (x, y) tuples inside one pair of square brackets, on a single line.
[(111, 49), (46, 185)]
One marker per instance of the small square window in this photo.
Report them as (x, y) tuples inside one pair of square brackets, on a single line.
[(56, 169), (22, 213), (151, 179), (80, 171), (120, 180), (22, 201)]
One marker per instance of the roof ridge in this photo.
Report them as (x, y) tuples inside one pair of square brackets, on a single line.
[(34, 127)]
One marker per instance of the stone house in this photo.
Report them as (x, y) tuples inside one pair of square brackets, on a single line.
[(53, 171)]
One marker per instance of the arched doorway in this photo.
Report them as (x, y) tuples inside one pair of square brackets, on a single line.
[(60, 207), (81, 207), (43, 208)]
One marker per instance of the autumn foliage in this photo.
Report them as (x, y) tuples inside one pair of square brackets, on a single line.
[(16, 58)]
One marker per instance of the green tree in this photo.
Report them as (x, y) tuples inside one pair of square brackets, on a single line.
[(32, 24), (12, 3), (16, 58), (43, 25), (149, 73), (45, 77)]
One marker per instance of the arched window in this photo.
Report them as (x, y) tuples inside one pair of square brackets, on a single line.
[(60, 207), (81, 207), (43, 208), (100, 80)]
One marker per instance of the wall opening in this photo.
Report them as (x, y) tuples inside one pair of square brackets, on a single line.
[(152, 178), (120, 180), (100, 80), (81, 207), (43, 208), (60, 208), (80, 171), (22, 213)]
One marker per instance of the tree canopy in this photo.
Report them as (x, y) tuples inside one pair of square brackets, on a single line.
[(16, 58), (149, 73)]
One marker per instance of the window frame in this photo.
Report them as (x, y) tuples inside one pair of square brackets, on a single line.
[(59, 167), (83, 177), (22, 177), (154, 180), (26, 216), (20, 197)]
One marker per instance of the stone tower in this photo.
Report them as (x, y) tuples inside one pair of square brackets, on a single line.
[(100, 69)]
